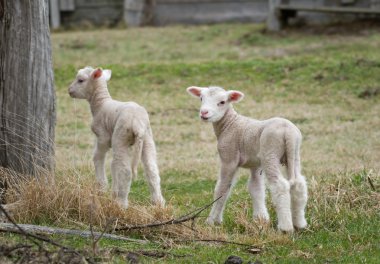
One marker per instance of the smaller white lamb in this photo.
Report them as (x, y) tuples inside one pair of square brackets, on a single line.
[(125, 127), (261, 146)]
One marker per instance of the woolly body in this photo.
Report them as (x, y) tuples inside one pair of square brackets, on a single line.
[(261, 146), (122, 126)]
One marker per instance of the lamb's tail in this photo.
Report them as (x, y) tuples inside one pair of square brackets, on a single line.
[(292, 145), (138, 146)]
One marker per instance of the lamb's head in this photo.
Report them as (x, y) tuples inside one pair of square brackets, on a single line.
[(87, 80), (215, 101)]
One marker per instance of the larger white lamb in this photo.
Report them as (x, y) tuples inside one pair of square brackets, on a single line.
[(261, 146), (125, 127)]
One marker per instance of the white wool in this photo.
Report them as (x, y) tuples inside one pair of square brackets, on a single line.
[(261, 146), (122, 126)]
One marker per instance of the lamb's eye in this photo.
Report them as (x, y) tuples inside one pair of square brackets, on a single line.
[(80, 80), (222, 102)]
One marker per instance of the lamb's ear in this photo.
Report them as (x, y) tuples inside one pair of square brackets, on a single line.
[(195, 91), (235, 96), (97, 73), (107, 74)]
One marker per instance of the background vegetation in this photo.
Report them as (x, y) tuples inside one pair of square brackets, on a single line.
[(326, 81)]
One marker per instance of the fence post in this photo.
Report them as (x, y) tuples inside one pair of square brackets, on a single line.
[(134, 12), (274, 21), (55, 18)]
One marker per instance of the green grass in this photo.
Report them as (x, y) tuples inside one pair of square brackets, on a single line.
[(313, 80)]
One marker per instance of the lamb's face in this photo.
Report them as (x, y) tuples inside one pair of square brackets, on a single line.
[(215, 101), (83, 85)]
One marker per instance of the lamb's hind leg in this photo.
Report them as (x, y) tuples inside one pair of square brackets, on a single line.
[(280, 192), (299, 199), (121, 173), (101, 148), (149, 159), (298, 192), (256, 187)]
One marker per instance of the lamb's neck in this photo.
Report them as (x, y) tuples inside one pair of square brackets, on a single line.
[(227, 120), (98, 98)]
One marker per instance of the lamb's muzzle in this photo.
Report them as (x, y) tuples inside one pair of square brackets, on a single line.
[(258, 146)]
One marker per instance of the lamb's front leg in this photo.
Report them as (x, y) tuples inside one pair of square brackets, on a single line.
[(101, 148), (256, 187), (222, 191)]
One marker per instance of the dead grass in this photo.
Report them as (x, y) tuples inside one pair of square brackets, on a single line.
[(76, 202)]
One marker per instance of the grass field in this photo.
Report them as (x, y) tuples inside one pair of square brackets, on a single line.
[(324, 82)]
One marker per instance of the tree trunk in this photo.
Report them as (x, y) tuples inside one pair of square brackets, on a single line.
[(27, 96)]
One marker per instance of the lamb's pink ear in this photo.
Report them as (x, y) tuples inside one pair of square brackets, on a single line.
[(235, 96), (97, 73), (194, 91)]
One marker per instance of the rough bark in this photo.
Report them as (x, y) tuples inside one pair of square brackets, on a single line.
[(27, 96)]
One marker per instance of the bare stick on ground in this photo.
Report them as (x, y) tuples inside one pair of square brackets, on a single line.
[(174, 221), (32, 237), (46, 230)]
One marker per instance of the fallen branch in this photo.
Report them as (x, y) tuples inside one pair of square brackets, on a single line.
[(18, 229), (45, 230), (149, 253), (174, 221), (213, 241)]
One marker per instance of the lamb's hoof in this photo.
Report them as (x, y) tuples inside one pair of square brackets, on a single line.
[(158, 201), (299, 225), (261, 217), (286, 228), (262, 223), (122, 203), (211, 221), (102, 187)]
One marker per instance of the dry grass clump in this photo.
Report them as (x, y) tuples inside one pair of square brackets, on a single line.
[(75, 202), (339, 197)]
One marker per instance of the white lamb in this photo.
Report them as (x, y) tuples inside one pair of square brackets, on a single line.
[(125, 127), (261, 146)]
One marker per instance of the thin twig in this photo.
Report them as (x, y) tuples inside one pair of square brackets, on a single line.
[(214, 241), (109, 221), (152, 254), (371, 183), (187, 217), (94, 243)]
